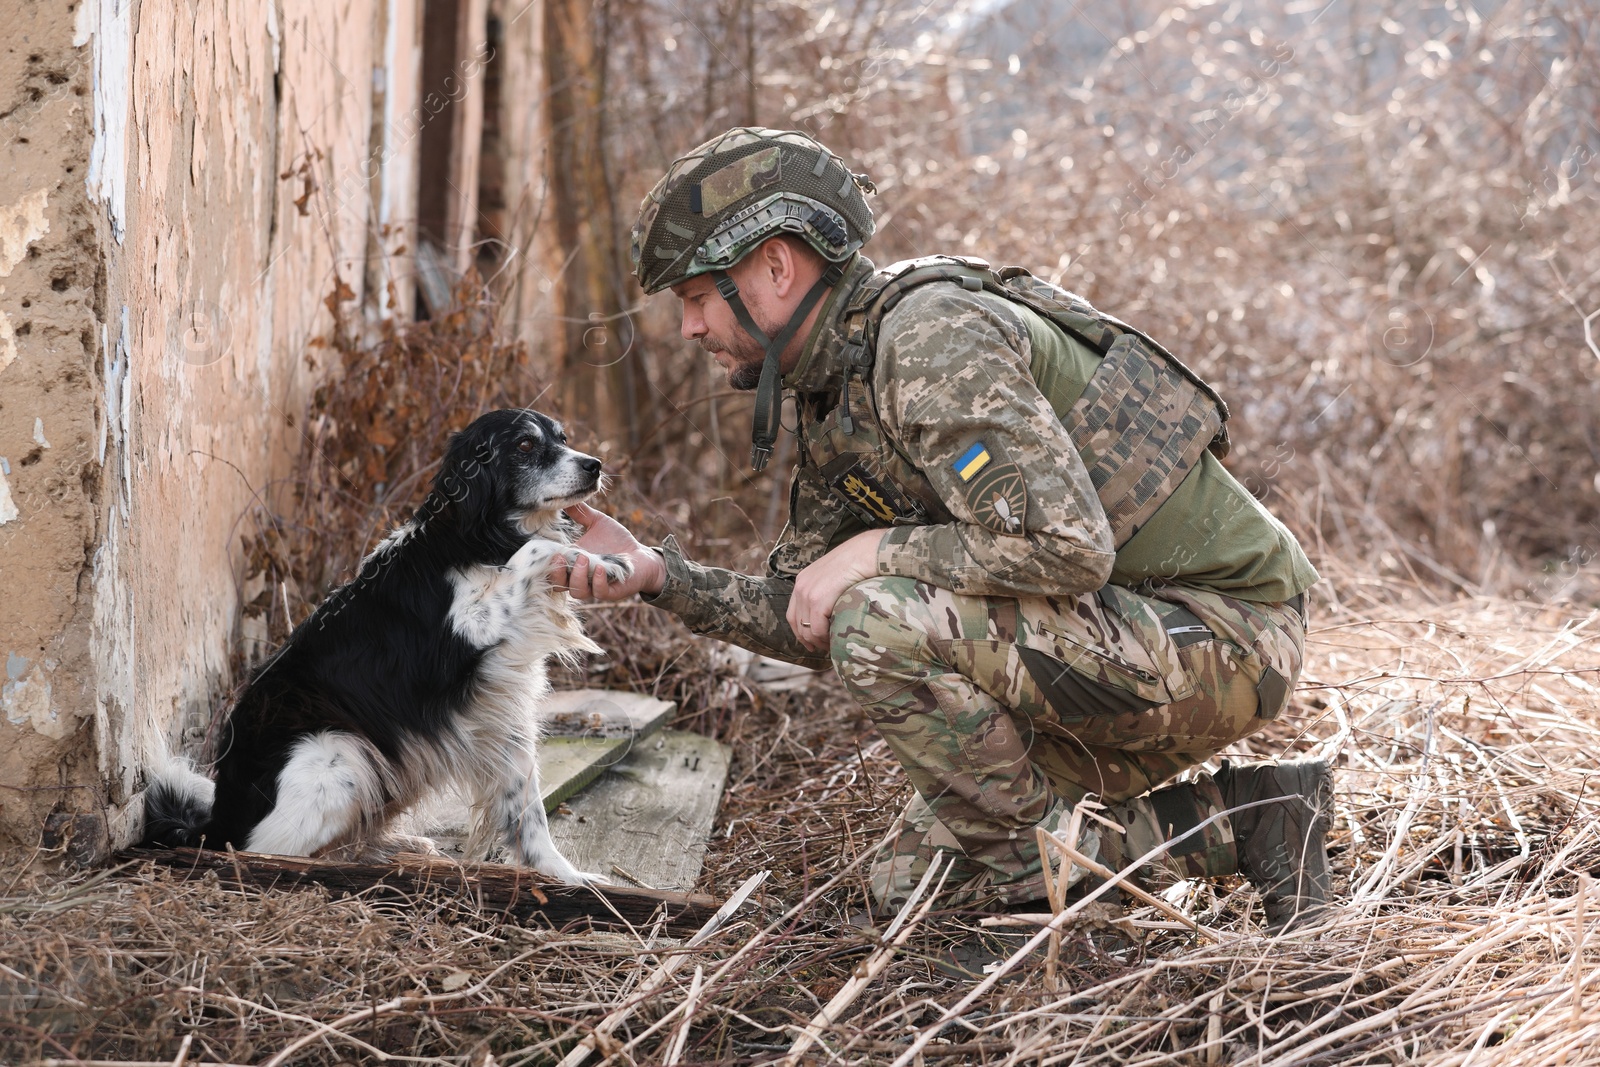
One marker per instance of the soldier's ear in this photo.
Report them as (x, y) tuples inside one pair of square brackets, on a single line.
[(777, 264), (787, 267)]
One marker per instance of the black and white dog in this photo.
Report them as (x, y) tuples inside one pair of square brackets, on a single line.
[(429, 667)]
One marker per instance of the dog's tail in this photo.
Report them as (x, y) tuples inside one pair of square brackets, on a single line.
[(177, 805)]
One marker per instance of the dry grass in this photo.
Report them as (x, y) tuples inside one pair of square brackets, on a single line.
[(1465, 729)]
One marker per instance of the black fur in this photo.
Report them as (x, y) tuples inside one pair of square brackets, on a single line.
[(173, 816), (379, 659)]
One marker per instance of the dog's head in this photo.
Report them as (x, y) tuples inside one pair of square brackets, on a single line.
[(508, 475)]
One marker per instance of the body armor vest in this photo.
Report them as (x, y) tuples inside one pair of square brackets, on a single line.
[(1140, 426)]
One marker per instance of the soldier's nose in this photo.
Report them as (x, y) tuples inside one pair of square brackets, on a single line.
[(694, 325)]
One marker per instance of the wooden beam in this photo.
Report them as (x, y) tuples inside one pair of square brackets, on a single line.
[(454, 53), (517, 892)]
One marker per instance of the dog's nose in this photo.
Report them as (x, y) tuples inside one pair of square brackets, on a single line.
[(590, 466)]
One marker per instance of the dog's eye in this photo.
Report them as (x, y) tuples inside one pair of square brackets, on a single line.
[(525, 445)]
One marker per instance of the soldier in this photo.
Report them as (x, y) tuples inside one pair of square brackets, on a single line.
[(1009, 533)]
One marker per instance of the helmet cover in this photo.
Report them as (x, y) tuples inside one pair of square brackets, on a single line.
[(728, 195)]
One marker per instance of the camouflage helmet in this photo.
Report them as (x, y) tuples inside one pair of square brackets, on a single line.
[(721, 200)]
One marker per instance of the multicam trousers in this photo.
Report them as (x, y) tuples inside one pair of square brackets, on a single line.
[(1007, 712)]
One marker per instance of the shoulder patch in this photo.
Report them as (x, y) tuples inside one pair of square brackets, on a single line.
[(998, 497), (973, 460)]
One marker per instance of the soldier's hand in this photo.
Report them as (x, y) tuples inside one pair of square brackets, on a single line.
[(818, 588), (605, 536)]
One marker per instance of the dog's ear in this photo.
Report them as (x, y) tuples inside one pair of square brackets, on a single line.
[(467, 485)]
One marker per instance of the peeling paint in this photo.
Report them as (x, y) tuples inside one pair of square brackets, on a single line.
[(110, 24), (21, 224), (116, 400), (26, 698), (126, 421), (111, 367), (102, 418), (8, 508), (272, 35)]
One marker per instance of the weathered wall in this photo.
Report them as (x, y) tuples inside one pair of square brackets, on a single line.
[(49, 471), (246, 162)]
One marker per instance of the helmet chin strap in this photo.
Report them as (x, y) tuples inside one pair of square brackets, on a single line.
[(764, 431)]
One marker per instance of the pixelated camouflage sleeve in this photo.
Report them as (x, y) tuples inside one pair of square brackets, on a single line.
[(747, 610), (743, 609), (955, 391)]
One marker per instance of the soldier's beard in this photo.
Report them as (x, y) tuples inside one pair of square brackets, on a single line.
[(748, 358), (746, 376)]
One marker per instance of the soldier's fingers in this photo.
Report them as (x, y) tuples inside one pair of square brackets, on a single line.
[(819, 630), (582, 580), (797, 617), (809, 629)]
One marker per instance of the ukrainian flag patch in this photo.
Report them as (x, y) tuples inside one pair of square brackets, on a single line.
[(972, 461)]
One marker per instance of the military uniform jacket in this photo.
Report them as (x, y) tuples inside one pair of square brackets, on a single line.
[(998, 501)]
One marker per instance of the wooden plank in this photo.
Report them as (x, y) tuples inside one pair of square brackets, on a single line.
[(517, 892), (589, 730), (651, 815), (567, 764), (603, 713)]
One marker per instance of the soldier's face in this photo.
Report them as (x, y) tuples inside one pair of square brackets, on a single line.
[(708, 320)]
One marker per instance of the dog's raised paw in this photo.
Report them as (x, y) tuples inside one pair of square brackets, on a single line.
[(618, 568)]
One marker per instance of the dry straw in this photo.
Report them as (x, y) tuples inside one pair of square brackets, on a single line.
[(1466, 736)]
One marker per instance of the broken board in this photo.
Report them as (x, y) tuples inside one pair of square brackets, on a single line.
[(589, 730), (648, 819)]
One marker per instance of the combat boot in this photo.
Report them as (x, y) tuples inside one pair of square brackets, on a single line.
[(1283, 846)]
